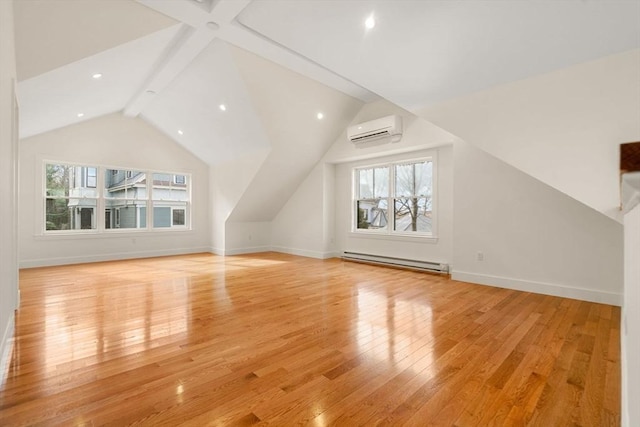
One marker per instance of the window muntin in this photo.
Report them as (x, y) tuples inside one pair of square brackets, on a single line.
[(406, 187), (79, 197)]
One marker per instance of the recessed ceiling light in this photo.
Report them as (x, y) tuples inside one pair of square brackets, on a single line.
[(80, 114), (180, 132), (97, 76), (370, 22), (320, 116), (223, 107)]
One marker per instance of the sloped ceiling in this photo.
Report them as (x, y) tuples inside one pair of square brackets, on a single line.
[(52, 34), (423, 52), (193, 109), (298, 138), (174, 62)]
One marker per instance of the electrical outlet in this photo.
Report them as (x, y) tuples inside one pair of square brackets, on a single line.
[(480, 256)]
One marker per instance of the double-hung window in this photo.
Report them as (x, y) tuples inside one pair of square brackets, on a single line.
[(395, 198), (125, 199), (98, 199), (71, 199), (170, 200)]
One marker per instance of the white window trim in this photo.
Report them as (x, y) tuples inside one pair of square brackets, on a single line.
[(99, 216), (389, 232)]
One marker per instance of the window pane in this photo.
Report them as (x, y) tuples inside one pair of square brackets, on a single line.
[(59, 179), (161, 216), (168, 186), (404, 180), (412, 214), (125, 184), (372, 214), (424, 178), (125, 214), (365, 183), (414, 179), (70, 214), (381, 182)]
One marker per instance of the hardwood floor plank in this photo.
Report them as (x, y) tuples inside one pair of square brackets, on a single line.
[(274, 339)]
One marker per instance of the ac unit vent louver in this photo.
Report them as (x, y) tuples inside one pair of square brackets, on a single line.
[(389, 127)]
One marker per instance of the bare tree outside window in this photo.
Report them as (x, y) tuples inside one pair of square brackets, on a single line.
[(406, 186), (412, 202)]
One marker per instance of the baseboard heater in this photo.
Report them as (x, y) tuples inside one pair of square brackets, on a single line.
[(396, 262)]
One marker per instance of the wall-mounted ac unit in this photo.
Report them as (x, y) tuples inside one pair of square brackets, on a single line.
[(389, 127)]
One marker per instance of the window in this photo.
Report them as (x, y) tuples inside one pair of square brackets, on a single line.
[(69, 205), (412, 200), (373, 203), (170, 200), (91, 177), (395, 198), (80, 197), (125, 192)]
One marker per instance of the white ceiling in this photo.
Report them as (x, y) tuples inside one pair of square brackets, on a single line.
[(423, 52), (276, 63), (418, 54)]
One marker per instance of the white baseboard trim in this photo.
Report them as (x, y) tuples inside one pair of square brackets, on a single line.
[(252, 250), (5, 348), (216, 251), (540, 288), (47, 262)]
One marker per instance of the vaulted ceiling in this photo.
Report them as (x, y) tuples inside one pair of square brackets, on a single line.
[(154, 52), (226, 77)]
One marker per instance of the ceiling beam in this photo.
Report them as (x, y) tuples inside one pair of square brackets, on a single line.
[(200, 27)]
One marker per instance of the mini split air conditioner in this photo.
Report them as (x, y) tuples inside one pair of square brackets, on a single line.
[(389, 127)]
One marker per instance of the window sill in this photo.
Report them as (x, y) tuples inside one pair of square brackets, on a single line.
[(395, 237), (114, 233)]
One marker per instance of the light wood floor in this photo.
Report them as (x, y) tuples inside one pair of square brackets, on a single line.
[(273, 339)]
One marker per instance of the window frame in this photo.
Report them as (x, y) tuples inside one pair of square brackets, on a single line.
[(99, 210), (389, 231)]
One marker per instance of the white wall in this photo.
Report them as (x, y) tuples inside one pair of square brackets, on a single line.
[(439, 250), (304, 223), (533, 237), (115, 141), (8, 185), (563, 128), (228, 183), (316, 220), (247, 237), (418, 134), (287, 103), (631, 320)]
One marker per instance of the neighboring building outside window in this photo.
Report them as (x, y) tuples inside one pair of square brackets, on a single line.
[(394, 198), (169, 200), (125, 193), (70, 204), (72, 198)]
